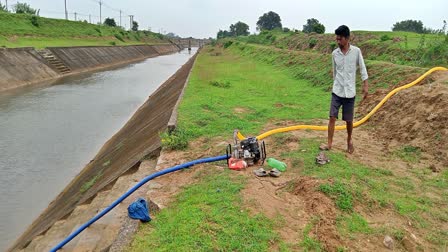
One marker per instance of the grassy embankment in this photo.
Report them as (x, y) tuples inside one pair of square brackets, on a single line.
[(18, 30), (404, 48), (250, 87)]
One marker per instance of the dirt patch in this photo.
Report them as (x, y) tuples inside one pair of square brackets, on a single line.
[(414, 117), (240, 110), (318, 204)]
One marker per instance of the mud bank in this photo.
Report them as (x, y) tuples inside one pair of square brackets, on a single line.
[(137, 139), (27, 66)]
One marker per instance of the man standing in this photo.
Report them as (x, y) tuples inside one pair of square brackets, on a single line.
[(346, 58)]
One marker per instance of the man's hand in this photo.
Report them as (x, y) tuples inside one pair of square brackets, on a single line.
[(365, 90)]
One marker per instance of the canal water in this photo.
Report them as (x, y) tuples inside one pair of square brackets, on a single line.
[(48, 134)]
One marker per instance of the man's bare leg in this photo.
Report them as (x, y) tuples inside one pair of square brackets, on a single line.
[(350, 148), (331, 125)]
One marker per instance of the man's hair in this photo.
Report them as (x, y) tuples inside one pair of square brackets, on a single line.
[(343, 31)]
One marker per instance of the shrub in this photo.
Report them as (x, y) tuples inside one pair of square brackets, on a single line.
[(333, 45), (228, 43), (312, 43), (112, 43), (175, 140), (385, 37), (34, 20)]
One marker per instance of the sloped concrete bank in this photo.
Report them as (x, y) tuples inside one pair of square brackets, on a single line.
[(27, 66), (136, 140)]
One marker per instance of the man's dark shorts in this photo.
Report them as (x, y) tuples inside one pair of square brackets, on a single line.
[(348, 107)]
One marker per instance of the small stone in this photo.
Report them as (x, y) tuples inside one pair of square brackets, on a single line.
[(388, 242), (431, 117)]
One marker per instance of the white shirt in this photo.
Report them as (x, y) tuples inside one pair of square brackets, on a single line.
[(344, 71)]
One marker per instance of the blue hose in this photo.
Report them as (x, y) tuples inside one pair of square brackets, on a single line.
[(133, 189)]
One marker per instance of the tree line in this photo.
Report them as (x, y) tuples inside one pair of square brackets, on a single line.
[(271, 21)]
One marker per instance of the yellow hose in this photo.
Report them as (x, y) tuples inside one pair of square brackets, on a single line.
[(356, 124)]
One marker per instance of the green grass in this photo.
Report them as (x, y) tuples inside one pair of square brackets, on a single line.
[(341, 194), (16, 30), (409, 153), (249, 95), (248, 87), (353, 224), (211, 210)]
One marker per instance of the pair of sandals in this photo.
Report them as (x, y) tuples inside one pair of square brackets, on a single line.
[(263, 173)]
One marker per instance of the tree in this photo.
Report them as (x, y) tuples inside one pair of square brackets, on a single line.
[(134, 26), (223, 34), (409, 25), (110, 22), (3, 8), (313, 25), (24, 8), (239, 29), (269, 21)]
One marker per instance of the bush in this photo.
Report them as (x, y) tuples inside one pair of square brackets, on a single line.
[(228, 43), (385, 37), (312, 43), (175, 140), (119, 37), (34, 20), (112, 43), (333, 45)]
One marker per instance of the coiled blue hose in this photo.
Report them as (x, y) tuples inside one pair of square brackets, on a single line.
[(133, 189)]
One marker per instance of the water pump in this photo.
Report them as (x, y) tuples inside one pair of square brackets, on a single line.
[(247, 152)]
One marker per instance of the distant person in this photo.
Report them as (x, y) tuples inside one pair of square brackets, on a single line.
[(346, 58)]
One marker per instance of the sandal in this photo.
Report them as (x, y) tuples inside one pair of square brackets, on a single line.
[(274, 173), (322, 158), (260, 172)]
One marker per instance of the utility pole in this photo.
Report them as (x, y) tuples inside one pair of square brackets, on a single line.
[(120, 18), (75, 16), (90, 19), (101, 20), (131, 20), (6, 5), (66, 13)]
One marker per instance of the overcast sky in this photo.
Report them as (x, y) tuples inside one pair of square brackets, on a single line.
[(203, 18)]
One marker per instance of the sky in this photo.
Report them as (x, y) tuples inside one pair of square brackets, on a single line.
[(203, 18)]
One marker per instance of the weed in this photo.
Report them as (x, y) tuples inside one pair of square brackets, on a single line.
[(175, 140), (333, 45), (86, 186), (312, 43), (409, 153), (385, 37), (220, 84)]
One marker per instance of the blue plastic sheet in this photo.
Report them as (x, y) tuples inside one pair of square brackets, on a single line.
[(139, 210)]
